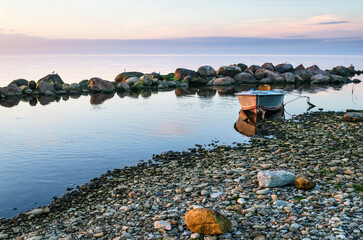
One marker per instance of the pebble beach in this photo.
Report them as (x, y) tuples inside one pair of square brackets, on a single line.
[(150, 200)]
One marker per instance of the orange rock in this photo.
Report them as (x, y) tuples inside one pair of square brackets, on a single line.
[(207, 221), (303, 182)]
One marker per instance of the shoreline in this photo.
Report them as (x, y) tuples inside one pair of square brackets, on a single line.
[(128, 201)]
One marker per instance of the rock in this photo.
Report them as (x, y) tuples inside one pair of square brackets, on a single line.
[(225, 81), (289, 77), (266, 81), (84, 84), (36, 211), (195, 236), (100, 85), (206, 221), (122, 86), (303, 182), (314, 69), (3, 236), (320, 79), (25, 90), (154, 75), (284, 67), (198, 81), (74, 88), (57, 86), (146, 80), (132, 81), (259, 74), (44, 86), (216, 194), (353, 116), (66, 87), (166, 84), (275, 178), (11, 91), (229, 71), (206, 71), (268, 66), (304, 74), (253, 68), (181, 73), (356, 81), (271, 74), (52, 78), (162, 225), (20, 82), (343, 71), (125, 75), (298, 79), (300, 67), (245, 78), (337, 78), (126, 235), (32, 85), (242, 66)]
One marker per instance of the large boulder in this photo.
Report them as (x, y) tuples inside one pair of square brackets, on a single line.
[(245, 78), (122, 86), (275, 178), (284, 67), (225, 81), (146, 80), (259, 74), (181, 73), (289, 77), (320, 79), (337, 78), (100, 85), (228, 71), (304, 74), (343, 71), (206, 71), (253, 68), (242, 66), (20, 82), (353, 117), (11, 91), (314, 69), (132, 81), (206, 221), (125, 75), (268, 66), (271, 74), (52, 78), (45, 88), (198, 81)]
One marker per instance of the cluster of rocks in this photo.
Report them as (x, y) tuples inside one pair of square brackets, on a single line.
[(220, 193), (266, 74), (235, 74)]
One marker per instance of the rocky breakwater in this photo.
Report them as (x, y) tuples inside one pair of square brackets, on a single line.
[(235, 74), (222, 193)]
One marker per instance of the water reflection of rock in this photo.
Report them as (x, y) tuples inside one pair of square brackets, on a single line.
[(10, 102), (179, 92), (250, 123), (99, 98), (45, 100)]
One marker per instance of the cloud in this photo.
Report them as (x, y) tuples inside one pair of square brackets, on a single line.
[(333, 22)]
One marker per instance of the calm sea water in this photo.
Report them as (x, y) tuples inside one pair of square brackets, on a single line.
[(45, 149)]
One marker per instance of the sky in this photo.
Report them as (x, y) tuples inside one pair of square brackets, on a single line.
[(21, 20)]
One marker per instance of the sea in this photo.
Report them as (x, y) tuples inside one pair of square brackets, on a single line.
[(53, 145)]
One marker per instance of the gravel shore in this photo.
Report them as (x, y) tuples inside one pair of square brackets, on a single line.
[(149, 201)]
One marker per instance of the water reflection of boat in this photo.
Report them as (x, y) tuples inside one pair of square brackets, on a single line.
[(250, 123), (261, 99)]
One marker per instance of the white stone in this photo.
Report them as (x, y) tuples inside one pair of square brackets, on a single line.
[(126, 235), (275, 178), (188, 189), (36, 211), (3, 236), (195, 236), (162, 225), (216, 195)]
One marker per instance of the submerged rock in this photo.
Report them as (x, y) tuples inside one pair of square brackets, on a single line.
[(275, 178), (207, 221)]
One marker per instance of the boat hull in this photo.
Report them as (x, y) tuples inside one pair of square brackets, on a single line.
[(261, 101)]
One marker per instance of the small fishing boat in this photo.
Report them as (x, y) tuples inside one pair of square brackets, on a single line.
[(261, 100)]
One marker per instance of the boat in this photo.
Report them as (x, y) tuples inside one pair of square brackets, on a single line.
[(261, 100)]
